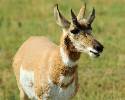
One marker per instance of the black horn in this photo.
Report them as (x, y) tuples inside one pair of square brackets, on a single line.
[(74, 19), (91, 17)]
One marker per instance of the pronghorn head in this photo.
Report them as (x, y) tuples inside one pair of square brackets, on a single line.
[(79, 31)]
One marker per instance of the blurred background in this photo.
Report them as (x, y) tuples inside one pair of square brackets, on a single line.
[(100, 79)]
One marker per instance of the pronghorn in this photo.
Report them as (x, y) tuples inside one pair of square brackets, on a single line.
[(45, 71)]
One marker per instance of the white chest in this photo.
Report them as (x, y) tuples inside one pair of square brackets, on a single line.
[(55, 92), (58, 93)]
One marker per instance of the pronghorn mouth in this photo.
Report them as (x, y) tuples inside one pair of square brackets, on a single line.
[(95, 53)]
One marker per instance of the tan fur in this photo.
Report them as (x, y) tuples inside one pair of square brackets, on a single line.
[(42, 56)]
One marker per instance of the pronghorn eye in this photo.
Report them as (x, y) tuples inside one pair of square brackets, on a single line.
[(75, 31)]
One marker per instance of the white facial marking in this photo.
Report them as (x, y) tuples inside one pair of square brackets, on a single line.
[(66, 60), (93, 50), (91, 54), (27, 82)]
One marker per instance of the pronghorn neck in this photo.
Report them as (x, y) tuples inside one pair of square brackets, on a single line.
[(68, 52)]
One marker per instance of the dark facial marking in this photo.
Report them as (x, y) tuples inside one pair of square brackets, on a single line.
[(75, 31), (82, 28), (86, 27)]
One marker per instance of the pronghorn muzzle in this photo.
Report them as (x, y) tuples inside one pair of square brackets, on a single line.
[(98, 47)]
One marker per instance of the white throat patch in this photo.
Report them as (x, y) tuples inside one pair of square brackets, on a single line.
[(66, 60)]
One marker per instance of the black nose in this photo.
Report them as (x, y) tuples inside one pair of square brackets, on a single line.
[(98, 46)]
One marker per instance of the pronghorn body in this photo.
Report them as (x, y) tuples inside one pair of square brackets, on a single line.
[(45, 71)]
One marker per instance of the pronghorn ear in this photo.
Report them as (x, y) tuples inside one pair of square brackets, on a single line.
[(81, 13), (91, 17), (60, 19)]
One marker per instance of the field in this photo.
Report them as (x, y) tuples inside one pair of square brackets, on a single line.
[(100, 79)]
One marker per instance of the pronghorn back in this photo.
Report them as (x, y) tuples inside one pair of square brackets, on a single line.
[(35, 50)]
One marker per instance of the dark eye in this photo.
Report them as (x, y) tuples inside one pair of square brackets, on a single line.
[(75, 31)]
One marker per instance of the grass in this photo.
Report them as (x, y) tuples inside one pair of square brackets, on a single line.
[(100, 79)]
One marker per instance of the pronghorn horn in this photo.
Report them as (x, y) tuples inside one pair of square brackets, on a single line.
[(91, 17), (74, 19), (60, 19), (82, 12)]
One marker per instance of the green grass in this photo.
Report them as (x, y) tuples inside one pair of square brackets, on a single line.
[(100, 79)]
